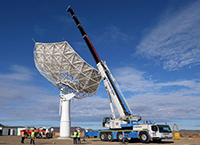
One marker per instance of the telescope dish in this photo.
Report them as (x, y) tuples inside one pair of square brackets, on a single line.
[(65, 69)]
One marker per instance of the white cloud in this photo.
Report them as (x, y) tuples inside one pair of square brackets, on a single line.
[(22, 100), (113, 35), (90, 109), (40, 31), (168, 107), (152, 100), (133, 80), (146, 98), (184, 83), (18, 73), (175, 40), (150, 105)]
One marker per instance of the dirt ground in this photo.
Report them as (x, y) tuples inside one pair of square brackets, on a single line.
[(15, 140)]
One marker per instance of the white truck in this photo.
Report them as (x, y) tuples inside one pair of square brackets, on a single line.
[(127, 125)]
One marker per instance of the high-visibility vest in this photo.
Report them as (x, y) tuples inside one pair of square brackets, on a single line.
[(79, 134), (75, 134), (23, 134), (32, 134)]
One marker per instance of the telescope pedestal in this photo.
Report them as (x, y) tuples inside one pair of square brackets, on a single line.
[(65, 122)]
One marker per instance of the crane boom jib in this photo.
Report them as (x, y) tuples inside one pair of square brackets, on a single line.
[(110, 85), (85, 36)]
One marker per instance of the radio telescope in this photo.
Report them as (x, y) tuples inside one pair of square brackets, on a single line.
[(65, 69)]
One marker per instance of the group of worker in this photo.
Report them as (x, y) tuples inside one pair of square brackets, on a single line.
[(32, 137), (77, 136)]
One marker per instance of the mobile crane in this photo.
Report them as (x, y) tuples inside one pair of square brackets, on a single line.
[(127, 125)]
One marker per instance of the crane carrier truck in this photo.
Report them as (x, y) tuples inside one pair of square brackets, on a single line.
[(126, 125)]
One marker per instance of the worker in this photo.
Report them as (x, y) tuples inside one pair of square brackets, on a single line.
[(32, 137), (75, 136), (124, 138), (23, 136), (79, 137)]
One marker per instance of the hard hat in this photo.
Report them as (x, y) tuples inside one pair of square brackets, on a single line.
[(75, 129)]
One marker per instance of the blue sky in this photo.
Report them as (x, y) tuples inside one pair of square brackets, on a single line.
[(151, 47)]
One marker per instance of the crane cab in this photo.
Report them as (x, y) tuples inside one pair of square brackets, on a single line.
[(109, 122), (106, 122)]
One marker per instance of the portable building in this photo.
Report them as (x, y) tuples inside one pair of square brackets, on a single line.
[(1, 129), (12, 130)]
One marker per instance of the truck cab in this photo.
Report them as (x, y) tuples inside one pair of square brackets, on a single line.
[(153, 132), (159, 132)]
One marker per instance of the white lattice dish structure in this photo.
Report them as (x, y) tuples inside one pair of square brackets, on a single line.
[(65, 69)]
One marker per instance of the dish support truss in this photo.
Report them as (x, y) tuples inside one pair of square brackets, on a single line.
[(65, 69)]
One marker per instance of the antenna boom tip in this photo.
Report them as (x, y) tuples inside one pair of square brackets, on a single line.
[(69, 7)]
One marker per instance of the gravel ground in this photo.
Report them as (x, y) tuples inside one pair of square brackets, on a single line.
[(15, 140)]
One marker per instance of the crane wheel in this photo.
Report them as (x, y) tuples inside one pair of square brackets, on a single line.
[(103, 136), (37, 135), (120, 136), (110, 137), (144, 137)]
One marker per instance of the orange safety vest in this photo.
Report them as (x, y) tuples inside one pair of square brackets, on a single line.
[(23, 135)]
